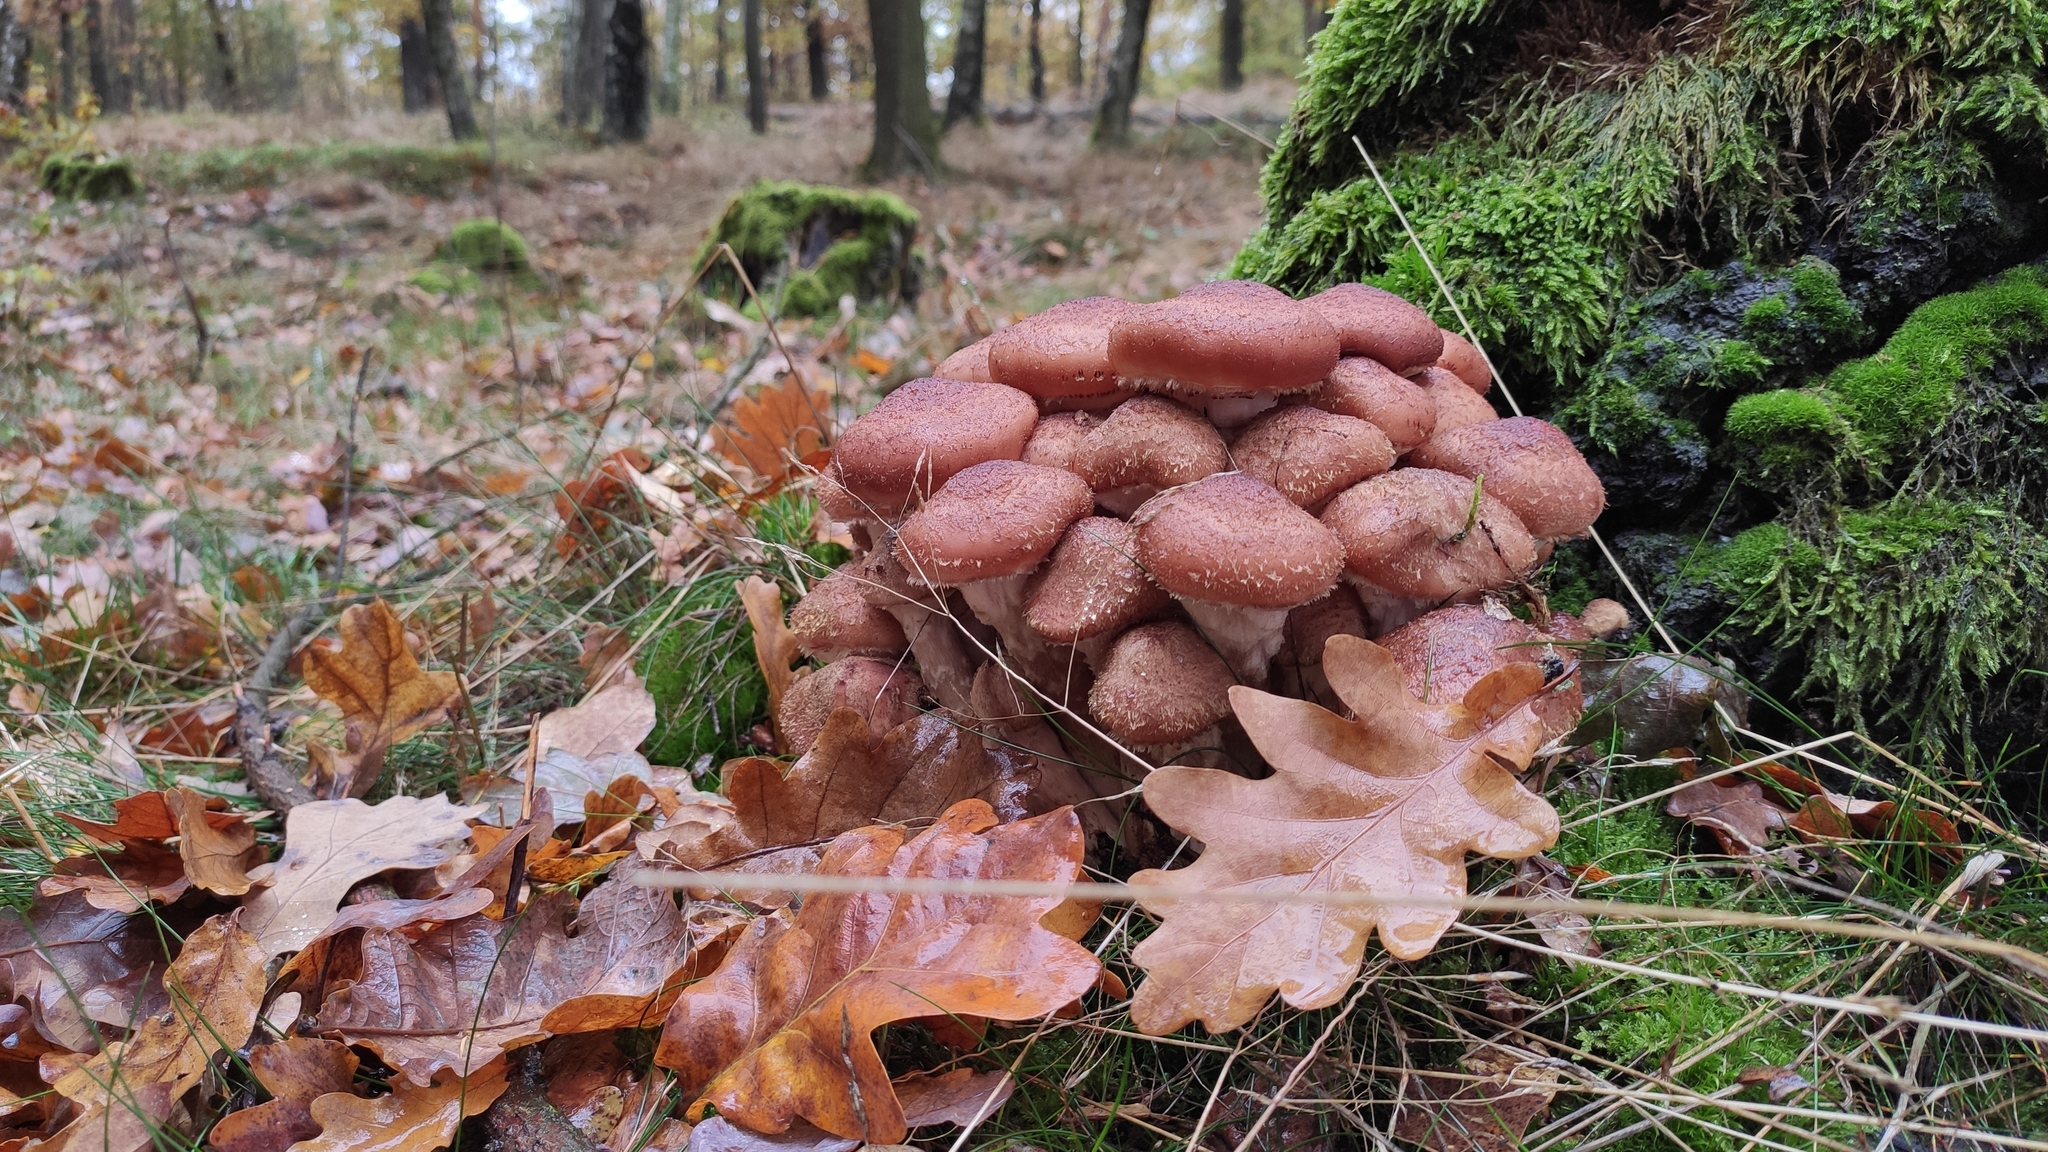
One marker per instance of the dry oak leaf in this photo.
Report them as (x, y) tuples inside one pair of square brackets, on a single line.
[(1388, 804), (127, 881), (217, 857), (1484, 1110), (411, 1119), (467, 991), (778, 429), (1735, 810), (612, 721), (783, 1029), (215, 849), (383, 694), (295, 1072), (775, 646), (329, 845)]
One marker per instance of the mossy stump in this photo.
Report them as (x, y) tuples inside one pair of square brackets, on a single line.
[(89, 177), (809, 245)]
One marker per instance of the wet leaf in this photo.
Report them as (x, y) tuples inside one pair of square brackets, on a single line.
[(76, 965), (1733, 809), (410, 1119), (384, 697), (772, 432), (1388, 803), (958, 1097), (217, 855), (1541, 878), (1485, 1110), (295, 1072), (775, 646), (126, 881)]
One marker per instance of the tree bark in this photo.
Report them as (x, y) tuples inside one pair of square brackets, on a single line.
[(970, 47), (1036, 53), (814, 57), (98, 66), (1113, 118), (1314, 18), (127, 62), (67, 64), (625, 74), (416, 84), (14, 55), (1078, 75), (719, 84), (672, 56), (906, 131), (223, 82), (757, 67), (438, 18), (583, 78), (1231, 70)]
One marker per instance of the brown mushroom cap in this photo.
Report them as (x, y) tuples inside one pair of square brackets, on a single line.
[(1445, 652), (1230, 539), (1369, 390), (1374, 322), (920, 435), (1150, 440), (1604, 618), (1457, 405), (968, 364), (1057, 438), (1309, 455), (1092, 585), (882, 693), (833, 497), (994, 519), (1062, 351), (1161, 685), (1461, 358), (1227, 338), (835, 620), (1530, 465), (1414, 532)]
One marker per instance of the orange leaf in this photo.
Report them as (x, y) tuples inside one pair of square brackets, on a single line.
[(383, 694), (411, 1119), (770, 433), (295, 1072), (775, 646), (870, 363), (217, 858)]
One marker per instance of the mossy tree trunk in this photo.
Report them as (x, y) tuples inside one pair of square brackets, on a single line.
[(1230, 70), (1113, 118), (814, 56), (626, 94), (757, 67), (963, 99), (14, 54), (438, 18), (906, 130)]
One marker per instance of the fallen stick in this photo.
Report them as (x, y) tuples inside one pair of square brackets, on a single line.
[(268, 775)]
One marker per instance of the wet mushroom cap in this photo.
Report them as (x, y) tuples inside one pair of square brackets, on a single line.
[(836, 501), (1461, 358), (999, 518), (1227, 338), (1062, 351), (1093, 585), (1446, 652), (1530, 465), (1419, 532), (1604, 618), (1374, 322), (1231, 539), (1057, 437), (1161, 684), (1310, 626), (1309, 455), (1457, 405), (1370, 391), (882, 693), (1150, 440), (968, 364), (920, 435), (834, 619)]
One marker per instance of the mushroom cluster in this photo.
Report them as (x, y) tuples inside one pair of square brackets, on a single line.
[(1137, 506)]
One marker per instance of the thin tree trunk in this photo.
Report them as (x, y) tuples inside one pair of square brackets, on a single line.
[(1231, 72), (719, 83), (906, 131), (672, 56), (438, 18), (225, 84), (1078, 76), (625, 77), (476, 21), (14, 55), (1037, 55), (1098, 63), (127, 70), (814, 57), (416, 87), (1113, 119), (67, 67), (757, 67), (963, 99), (99, 63)]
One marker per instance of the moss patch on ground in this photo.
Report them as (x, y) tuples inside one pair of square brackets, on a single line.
[(808, 245), (89, 177)]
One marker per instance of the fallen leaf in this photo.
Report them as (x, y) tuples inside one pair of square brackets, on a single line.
[(216, 857), (1388, 803), (717, 1134), (769, 433), (783, 1029), (1489, 1114), (411, 1119), (127, 881), (191, 731), (76, 965), (1734, 810), (384, 697), (613, 721), (1779, 1082), (587, 506), (329, 845), (1541, 878), (295, 1072), (775, 647), (960, 1097), (606, 651)]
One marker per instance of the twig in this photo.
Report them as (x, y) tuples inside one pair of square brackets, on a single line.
[(348, 475), (268, 775), (192, 302)]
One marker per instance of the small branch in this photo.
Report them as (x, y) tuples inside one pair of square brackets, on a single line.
[(522, 1120), (269, 776), (348, 474), (192, 302)]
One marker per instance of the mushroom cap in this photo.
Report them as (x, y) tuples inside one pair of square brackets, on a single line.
[(1369, 390), (1161, 684), (1445, 652), (833, 497), (1057, 438), (1309, 455), (1310, 626), (1461, 358), (882, 693), (1413, 532), (1530, 465), (999, 518), (834, 619), (1150, 440), (1374, 322), (920, 435), (1227, 338), (1231, 539), (1062, 351), (1092, 585), (1457, 405), (1603, 618), (969, 364)]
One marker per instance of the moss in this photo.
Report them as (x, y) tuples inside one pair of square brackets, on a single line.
[(1766, 314), (819, 243), (707, 688), (483, 245), (413, 169), (1779, 434), (89, 177), (443, 279), (1758, 557)]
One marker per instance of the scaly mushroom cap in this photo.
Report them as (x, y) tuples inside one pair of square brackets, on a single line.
[(1604, 619), (1230, 539), (1530, 465), (968, 364), (1310, 626), (1416, 532), (1461, 358), (1150, 440), (1444, 653), (1093, 585), (1057, 438), (1457, 405), (1161, 685), (1062, 351), (882, 693), (1370, 391), (1374, 322), (1310, 455), (833, 497), (994, 519), (920, 435), (1227, 338), (835, 620)]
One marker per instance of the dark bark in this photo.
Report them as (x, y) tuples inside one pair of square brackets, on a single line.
[(626, 92), (14, 55), (416, 83), (814, 57), (757, 67), (127, 70), (1078, 76), (1036, 52), (67, 64), (906, 131), (1314, 18), (970, 48), (1113, 118), (222, 80), (1231, 70), (98, 67), (583, 78), (438, 17), (719, 84)]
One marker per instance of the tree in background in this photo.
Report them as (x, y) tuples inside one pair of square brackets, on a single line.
[(718, 80), (757, 68), (626, 97), (673, 12), (814, 53), (438, 17), (906, 131), (14, 54), (1037, 55), (1231, 30), (583, 62), (970, 48), (418, 90), (1126, 69)]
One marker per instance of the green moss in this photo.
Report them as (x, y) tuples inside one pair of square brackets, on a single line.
[(819, 242), (442, 279), (707, 688), (484, 245), (1820, 305), (1766, 315), (1777, 435), (1759, 557), (89, 177), (413, 169)]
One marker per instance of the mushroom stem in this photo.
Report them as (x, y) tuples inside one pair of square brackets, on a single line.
[(998, 601), (1247, 638), (1386, 610), (1236, 411)]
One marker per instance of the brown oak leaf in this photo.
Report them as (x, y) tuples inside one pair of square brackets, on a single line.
[(410, 1119), (77, 966), (773, 432), (295, 1072), (384, 697), (783, 1029), (1387, 804), (215, 849), (127, 881), (1485, 1109), (775, 647)]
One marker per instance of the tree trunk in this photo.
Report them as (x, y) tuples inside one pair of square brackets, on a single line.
[(14, 55), (672, 56), (1036, 53), (1314, 18), (99, 56), (416, 84), (1231, 71), (583, 78), (757, 67), (1113, 119), (814, 57), (963, 99), (476, 21), (67, 57), (718, 80), (1078, 77), (625, 73), (906, 131), (438, 18), (222, 81), (127, 62)]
